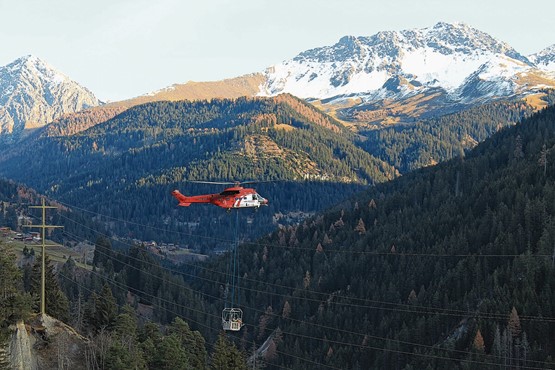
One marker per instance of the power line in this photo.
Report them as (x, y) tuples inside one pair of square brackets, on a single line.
[(315, 324), (404, 307), (328, 340), (117, 284), (345, 250)]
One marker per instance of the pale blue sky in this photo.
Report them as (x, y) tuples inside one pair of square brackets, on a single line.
[(124, 48)]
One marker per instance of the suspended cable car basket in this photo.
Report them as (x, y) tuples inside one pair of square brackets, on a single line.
[(232, 319)]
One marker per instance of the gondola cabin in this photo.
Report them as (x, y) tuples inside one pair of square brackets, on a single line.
[(232, 319)]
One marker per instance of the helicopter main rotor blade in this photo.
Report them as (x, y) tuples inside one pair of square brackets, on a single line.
[(236, 183), (258, 182), (212, 182)]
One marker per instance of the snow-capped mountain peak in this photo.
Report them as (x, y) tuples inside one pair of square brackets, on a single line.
[(37, 67), (393, 64), (545, 59), (32, 93)]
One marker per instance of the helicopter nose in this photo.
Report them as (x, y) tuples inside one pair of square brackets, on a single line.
[(265, 202)]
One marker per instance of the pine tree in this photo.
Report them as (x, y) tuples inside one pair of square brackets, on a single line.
[(57, 304), (226, 356), (68, 283), (543, 159), (105, 309), (14, 304), (497, 349), (125, 325), (306, 280), (149, 336), (264, 321), (360, 228), (518, 153), (286, 310), (120, 357), (478, 343), (170, 355), (102, 251), (412, 297), (319, 248), (192, 341), (514, 324)]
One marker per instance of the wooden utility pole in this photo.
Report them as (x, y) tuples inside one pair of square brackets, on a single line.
[(43, 226)]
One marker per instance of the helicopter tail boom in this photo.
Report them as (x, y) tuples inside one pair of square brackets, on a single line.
[(183, 200), (186, 201)]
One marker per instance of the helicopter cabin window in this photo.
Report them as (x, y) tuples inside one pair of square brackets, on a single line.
[(253, 197)]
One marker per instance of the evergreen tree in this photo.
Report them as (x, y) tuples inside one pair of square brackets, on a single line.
[(543, 159), (514, 324), (105, 309), (56, 302), (226, 356), (68, 281), (170, 354), (192, 342), (119, 357), (478, 343), (102, 251), (360, 228), (125, 352), (14, 303)]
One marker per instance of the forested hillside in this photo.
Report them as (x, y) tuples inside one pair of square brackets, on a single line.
[(152, 149), (126, 167), (431, 141), (447, 267)]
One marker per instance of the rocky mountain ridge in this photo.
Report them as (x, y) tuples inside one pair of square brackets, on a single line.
[(545, 59), (387, 78), (447, 65), (32, 94)]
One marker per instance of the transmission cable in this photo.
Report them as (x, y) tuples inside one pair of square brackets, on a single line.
[(313, 324), (406, 307)]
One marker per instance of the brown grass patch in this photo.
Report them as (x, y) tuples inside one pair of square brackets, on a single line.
[(285, 127), (247, 85), (535, 79), (536, 101)]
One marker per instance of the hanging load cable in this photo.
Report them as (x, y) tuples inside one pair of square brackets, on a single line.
[(232, 317)]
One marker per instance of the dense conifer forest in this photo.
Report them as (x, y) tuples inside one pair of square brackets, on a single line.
[(126, 167), (409, 147), (446, 266), (147, 151), (449, 266)]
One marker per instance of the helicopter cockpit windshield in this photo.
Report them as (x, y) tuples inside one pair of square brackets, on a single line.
[(261, 200)]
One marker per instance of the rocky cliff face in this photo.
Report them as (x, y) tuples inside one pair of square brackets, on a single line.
[(46, 343), (20, 349), (32, 94)]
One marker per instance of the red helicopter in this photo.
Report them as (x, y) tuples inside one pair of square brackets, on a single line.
[(232, 197)]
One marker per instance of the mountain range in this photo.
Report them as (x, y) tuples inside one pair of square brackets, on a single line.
[(435, 70), (450, 57), (390, 77)]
